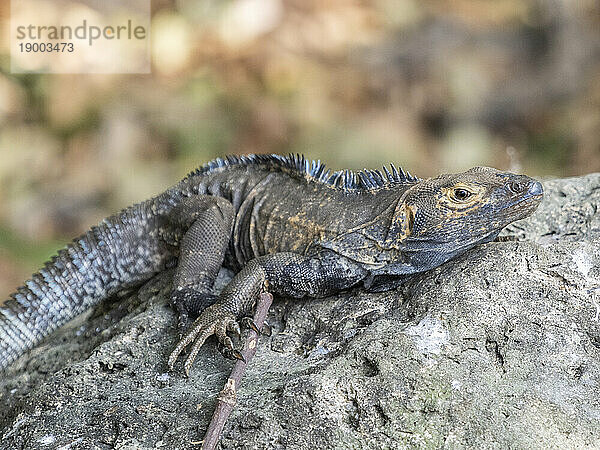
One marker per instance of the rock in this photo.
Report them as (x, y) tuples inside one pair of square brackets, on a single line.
[(497, 349)]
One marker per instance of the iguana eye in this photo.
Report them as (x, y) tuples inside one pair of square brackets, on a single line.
[(461, 194), (515, 187)]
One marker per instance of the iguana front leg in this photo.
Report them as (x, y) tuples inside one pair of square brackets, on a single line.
[(287, 274)]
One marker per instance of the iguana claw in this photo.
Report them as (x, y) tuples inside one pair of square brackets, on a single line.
[(266, 330), (249, 323), (237, 355), (213, 320)]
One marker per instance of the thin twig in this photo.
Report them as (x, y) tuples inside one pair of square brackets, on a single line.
[(227, 397)]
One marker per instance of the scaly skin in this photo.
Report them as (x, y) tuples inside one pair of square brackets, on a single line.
[(282, 224)]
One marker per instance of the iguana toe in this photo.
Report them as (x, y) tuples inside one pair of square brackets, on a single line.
[(234, 327)]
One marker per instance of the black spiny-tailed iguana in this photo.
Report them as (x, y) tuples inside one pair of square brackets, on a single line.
[(283, 224)]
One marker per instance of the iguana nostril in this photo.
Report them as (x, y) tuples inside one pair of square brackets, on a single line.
[(535, 188)]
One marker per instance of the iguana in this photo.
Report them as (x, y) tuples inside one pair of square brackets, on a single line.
[(282, 223)]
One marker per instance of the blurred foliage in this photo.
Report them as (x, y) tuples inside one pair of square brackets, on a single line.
[(433, 85)]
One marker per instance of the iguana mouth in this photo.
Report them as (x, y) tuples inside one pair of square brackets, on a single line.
[(526, 200)]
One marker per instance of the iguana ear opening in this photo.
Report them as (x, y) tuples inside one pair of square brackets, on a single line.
[(402, 224)]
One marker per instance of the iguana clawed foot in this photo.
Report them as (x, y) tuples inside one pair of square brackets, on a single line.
[(214, 320)]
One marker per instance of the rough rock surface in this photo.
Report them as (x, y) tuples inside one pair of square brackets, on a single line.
[(497, 349)]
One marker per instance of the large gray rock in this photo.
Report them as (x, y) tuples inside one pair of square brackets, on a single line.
[(497, 349)]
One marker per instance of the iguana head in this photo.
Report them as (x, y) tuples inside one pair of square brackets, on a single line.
[(453, 212)]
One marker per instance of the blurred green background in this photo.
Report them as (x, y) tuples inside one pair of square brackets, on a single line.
[(430, 85)]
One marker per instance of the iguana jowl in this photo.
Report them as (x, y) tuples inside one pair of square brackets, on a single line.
[(283, 223)]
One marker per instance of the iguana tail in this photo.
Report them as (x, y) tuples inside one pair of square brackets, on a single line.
[(122, 251)]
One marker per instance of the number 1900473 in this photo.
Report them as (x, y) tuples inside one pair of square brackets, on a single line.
[(39, 47)]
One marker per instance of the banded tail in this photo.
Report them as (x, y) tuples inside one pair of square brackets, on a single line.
[(122, 251)]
